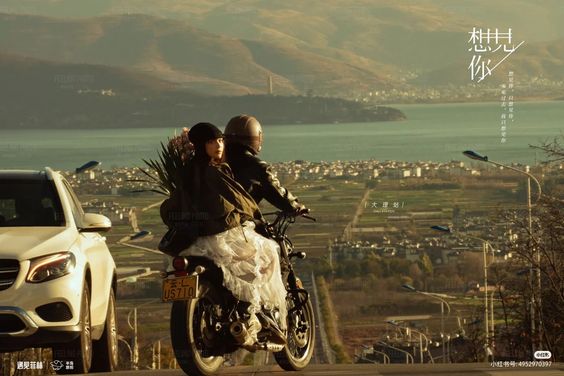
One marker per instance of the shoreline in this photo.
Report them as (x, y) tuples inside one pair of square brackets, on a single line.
[(388, 105), (488, 101)]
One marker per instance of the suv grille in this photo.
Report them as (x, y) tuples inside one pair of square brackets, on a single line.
[(9, 270)]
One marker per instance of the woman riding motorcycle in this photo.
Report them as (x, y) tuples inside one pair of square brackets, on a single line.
[(220, 213)]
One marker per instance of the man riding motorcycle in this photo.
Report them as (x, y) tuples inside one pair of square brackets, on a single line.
[(243, 136)]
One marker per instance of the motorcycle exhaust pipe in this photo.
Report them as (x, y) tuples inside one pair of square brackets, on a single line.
[(238, 331)]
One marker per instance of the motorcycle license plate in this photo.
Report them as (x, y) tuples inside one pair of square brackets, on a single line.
[(180, 288)]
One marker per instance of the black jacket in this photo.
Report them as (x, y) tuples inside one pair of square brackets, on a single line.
[(257, 178), (209, 202)]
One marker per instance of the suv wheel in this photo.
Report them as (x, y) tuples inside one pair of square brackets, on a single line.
[(77, 354), (105, 357)]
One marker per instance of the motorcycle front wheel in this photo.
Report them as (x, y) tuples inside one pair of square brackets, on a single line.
[(190, 325), (300, 339)]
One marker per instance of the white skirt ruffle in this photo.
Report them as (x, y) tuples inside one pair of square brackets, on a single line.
[(250, 265)]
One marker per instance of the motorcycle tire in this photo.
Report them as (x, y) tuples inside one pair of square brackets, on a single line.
[(301, 330), (187, 322)]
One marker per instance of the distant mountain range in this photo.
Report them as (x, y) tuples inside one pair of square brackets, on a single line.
[(150, 63), (385, 37), (329, 47), (341, 48), (43, 94), (179, 53), (30, 76)]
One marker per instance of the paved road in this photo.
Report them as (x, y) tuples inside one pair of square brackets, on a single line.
[(467, 369)]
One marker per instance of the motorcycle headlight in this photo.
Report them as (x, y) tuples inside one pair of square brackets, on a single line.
[(46, 268)]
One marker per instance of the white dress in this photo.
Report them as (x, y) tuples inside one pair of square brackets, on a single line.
[(250, 265)]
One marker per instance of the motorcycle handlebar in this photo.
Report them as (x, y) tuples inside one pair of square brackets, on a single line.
[(309, 217), (299, 213)]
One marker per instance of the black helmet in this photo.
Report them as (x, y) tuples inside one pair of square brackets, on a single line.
[(244, 130)]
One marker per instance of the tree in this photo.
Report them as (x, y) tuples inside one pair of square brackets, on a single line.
[(415, 273), (426, 264), (543, 241), (426, 267), (546, 240), (372, 265), (554, 149), (472, 267), (472, 348)]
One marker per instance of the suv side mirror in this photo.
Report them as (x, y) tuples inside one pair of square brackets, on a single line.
[(95, 223)]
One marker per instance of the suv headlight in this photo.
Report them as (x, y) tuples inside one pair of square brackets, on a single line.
[(46, 268)]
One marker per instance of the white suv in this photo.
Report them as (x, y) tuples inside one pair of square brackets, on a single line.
[(57, 276)]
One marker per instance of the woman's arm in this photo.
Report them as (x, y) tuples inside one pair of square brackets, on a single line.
[(234, 193)]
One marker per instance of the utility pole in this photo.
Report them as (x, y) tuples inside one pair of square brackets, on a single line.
[(135, 352), (156, 348), (443, 330), (486, 302), (536, 302)]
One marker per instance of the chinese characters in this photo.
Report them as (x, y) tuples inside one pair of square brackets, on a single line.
[(29, 365), (485, 44), (384, 206), (506, 106)]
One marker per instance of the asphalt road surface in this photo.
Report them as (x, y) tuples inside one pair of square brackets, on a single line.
[(466, 369)]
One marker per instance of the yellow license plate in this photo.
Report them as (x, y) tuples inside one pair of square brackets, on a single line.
[(180, 288)]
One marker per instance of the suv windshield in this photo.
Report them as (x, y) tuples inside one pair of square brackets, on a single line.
[(29, 202)]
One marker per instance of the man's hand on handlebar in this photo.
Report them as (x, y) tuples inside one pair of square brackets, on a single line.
[(301, 210)]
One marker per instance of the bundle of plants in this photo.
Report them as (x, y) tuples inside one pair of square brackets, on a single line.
[(164, 174)]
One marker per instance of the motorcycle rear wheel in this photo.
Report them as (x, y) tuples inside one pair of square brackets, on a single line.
[(188, 320), (300, 339)]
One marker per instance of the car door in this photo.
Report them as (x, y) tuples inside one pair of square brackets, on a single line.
[(94, 247)]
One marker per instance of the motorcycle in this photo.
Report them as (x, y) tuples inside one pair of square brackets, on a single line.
[(207, 321)]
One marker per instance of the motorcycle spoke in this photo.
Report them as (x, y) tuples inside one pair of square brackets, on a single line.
[(201, 315)]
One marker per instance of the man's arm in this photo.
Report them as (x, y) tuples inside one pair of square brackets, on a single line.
[(272, 191)]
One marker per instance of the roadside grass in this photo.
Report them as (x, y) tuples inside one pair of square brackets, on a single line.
[(330, 319)]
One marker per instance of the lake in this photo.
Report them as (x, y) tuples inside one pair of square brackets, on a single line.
[(433, 132)]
